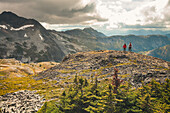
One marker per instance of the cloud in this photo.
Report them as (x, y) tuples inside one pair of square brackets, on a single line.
[(118, 15), (14, 1), (53, 11), (137, 13)]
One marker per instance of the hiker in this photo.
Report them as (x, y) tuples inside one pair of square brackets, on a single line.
[(130, 46), (124, 47)]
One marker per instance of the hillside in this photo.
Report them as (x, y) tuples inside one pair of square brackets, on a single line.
[(162, 52), (133, 66), (28, 92)]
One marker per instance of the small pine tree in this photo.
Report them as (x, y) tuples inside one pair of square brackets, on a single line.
[(116, 80), (92, 78), (81, 81), (64, 93), (86, 82), (96, 81), (75, 79), (44, 108)]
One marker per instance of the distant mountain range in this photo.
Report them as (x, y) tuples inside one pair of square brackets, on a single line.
[(27, 40), (100, 41)]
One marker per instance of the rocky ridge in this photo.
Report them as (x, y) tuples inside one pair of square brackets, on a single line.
[(21, 102), (132, 66)]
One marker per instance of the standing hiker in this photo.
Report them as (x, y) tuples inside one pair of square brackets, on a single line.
[(130, 46), (124, 47)]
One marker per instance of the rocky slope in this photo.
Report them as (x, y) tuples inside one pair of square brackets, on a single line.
[(132, 66), (26, 40), (19, 92), (68, 43)]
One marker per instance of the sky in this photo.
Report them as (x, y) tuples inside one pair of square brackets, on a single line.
[(112, 17)]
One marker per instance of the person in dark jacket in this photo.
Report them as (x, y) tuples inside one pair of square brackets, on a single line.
[(130, 46), (124, 47)]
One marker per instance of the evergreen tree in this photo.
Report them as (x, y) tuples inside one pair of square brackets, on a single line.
[(75, 79), (86, 82), (81, 81)]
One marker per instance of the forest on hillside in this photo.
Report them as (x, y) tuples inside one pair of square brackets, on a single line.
[(111, 96)]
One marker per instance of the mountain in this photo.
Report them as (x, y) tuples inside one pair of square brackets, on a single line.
[(89, 33), (132, 66), (87, 37), (26, 40), (69, 44), (94, 32), (168, 35), (162, 52)]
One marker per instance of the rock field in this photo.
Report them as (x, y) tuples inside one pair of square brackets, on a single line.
[(23, 101)]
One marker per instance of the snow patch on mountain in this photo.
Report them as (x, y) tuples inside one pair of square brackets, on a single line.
[(21, 28), (15, 29), (25, 35), (41, 37), (3, 26)]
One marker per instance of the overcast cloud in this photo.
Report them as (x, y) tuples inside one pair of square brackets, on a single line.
[(105, 15)]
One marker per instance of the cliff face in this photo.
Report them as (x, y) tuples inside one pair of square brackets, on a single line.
[(132, 66)]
